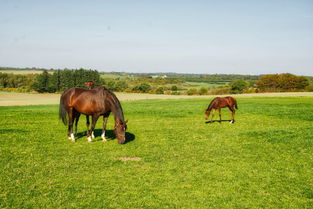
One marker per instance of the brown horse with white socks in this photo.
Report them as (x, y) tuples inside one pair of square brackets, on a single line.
[(95, 102), (221, 102)]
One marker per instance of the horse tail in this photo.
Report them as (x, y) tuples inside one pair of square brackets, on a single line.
[(62, 111)]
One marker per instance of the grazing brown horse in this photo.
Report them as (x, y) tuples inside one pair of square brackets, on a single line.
[(221, 102), (95, 102)]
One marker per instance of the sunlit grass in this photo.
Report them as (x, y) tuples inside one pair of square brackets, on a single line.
[(264, 160)]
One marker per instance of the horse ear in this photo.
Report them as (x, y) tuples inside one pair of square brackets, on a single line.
[(126, 121)]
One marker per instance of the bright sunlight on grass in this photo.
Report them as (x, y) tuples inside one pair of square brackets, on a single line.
[(173, 158)]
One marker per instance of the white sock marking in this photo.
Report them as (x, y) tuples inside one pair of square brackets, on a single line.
[(92, 135), (89, 139), (103, 137), (72, 137)]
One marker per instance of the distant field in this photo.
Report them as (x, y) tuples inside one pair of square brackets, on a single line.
[(10, 98), (202, 84), (114, 76), (172, 160), (23, 72)]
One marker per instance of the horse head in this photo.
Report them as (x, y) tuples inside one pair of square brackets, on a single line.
[(120, 130), (207, 113), (89, 84)]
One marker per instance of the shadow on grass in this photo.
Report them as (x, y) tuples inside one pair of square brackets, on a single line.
[(109, 135), (219, 121)]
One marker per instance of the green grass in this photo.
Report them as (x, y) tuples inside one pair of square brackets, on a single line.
[(264, 160)]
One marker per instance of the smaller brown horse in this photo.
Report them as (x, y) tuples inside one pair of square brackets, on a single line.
[(221, 102)]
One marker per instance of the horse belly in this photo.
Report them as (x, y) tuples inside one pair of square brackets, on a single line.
[(223, 104), (89, 108)]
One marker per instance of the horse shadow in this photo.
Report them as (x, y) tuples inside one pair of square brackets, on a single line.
[(109, 135), (219, 121)]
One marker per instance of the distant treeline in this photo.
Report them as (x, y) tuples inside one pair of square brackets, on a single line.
[(57, 81), (216, 77), (206, 78), (160, 83), (282, 82), (61, 80)]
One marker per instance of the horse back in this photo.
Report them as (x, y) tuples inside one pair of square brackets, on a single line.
[(86, 101), (221, 102), (231, 101)]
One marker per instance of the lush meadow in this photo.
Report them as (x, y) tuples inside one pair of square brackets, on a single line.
[(173, 159)]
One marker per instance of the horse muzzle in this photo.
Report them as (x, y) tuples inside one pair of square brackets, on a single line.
[(121, 141)]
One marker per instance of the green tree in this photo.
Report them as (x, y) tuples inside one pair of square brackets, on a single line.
[(237, 87), (143, 87), (282, 82), (43, 83), (302, 82), (203, 91), (174, 88), (159, 90), (111, 86), (192, 91), (56, 80), (121, 86)]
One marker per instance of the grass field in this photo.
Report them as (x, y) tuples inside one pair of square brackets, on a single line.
[(172, 160)]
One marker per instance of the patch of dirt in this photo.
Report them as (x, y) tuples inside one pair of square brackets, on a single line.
[(129, 158), (12, 98)]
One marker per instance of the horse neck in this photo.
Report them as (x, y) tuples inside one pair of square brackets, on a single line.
[(116, 109), (210, 107)]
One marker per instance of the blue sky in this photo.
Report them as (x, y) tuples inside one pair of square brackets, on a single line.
[(242, 37)]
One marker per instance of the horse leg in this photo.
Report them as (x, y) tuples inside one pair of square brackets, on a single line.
[(92, 133), (219, 113), (105, 119), (87, 124), (70, 124), (77, 115), (213, 115), (93, 124), (233, 115), (232, 112)]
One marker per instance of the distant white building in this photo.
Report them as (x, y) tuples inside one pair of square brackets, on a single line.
[(159, 76)]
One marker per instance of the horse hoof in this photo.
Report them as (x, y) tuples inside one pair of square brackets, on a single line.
[(89, 139), (72, 137)]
